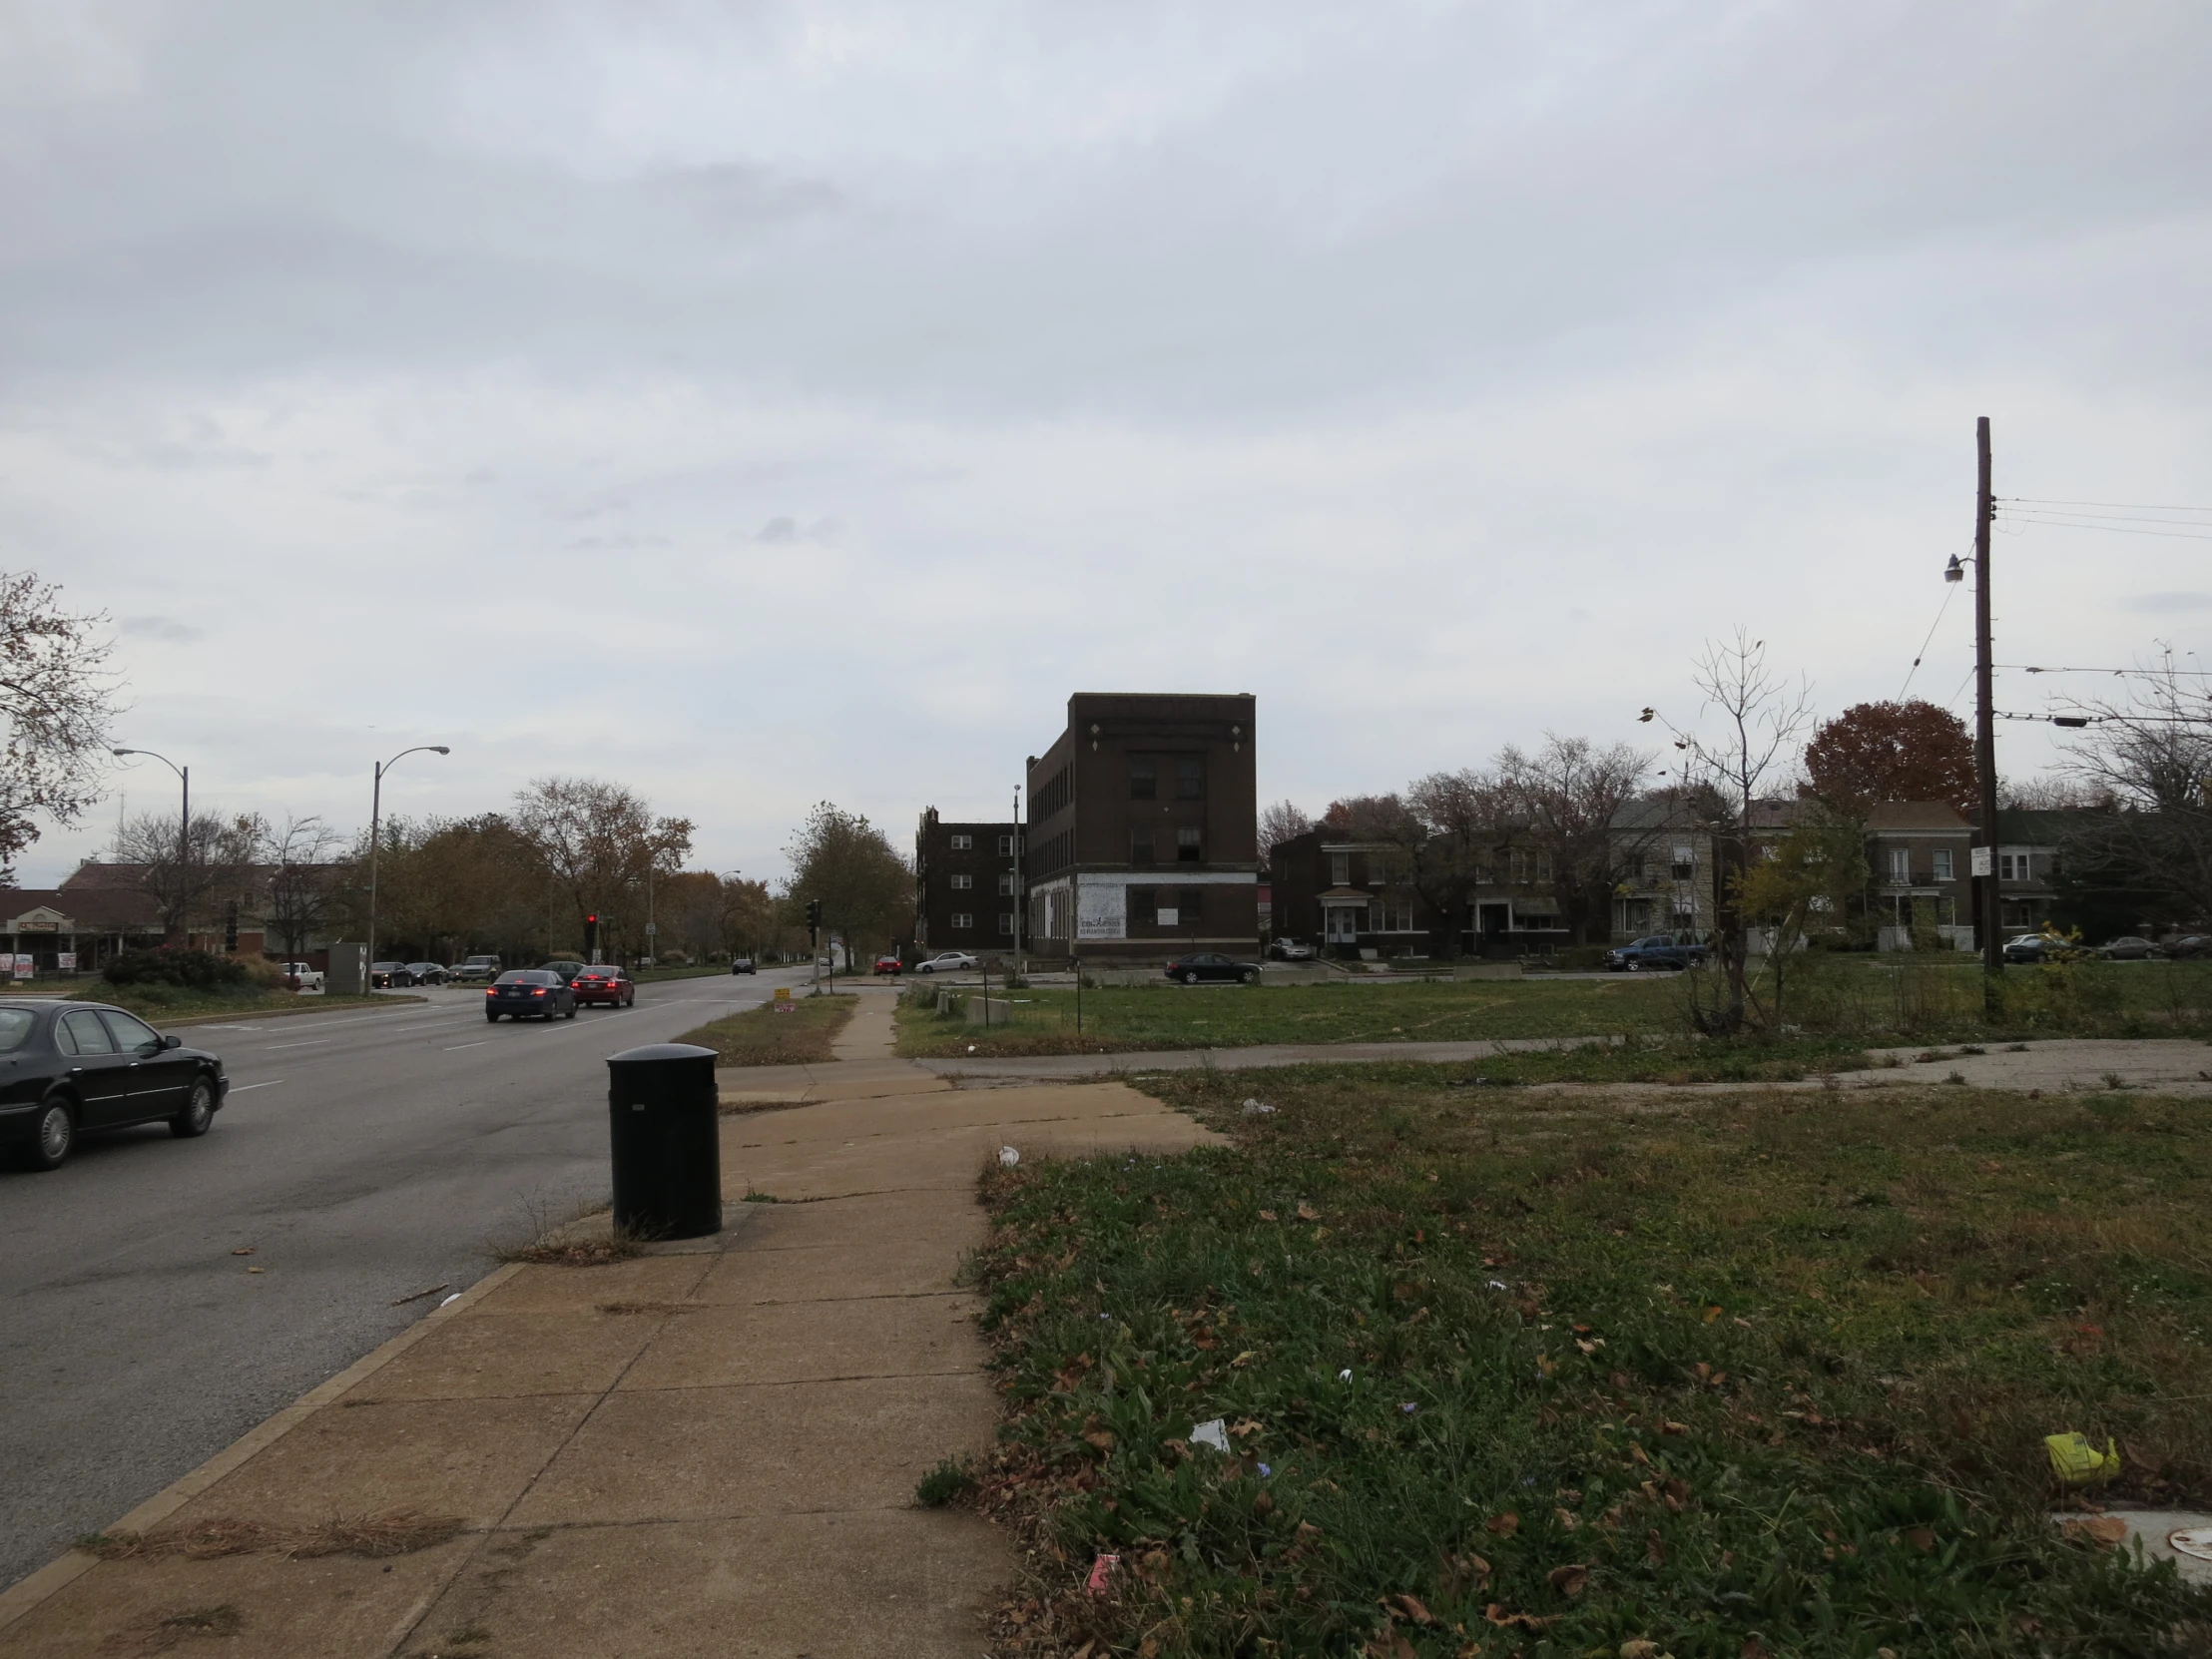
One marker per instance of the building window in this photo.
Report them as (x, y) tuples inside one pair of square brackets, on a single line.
[(1144, 779), (2012, 866), (1190, 905), (1140, 847), (1390, 916), (1943, 863), (1901, 866), (1189, 845), (1379, 869), (960, 884), (1340, 870), (962, 920), (1006, 846), (963, 843), (1144, 905), (1190, 779), (1005, 883), (1685, 863), (1006, 922)]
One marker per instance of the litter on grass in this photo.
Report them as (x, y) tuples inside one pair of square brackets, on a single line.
[(1214, 1433), (1009, 1156), (455, 1297), (1343, 1376), (2077, 1463), (1101, 1570), (1258, 1109)]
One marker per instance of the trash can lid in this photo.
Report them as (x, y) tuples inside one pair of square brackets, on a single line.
[(660, 1051)]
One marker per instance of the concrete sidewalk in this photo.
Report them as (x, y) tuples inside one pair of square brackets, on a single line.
[(710, 1447), (1125, 1062)]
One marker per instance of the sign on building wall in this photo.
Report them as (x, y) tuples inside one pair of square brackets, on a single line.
[(1102, 910)]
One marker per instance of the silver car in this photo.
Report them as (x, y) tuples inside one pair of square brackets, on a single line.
[(947, 961)]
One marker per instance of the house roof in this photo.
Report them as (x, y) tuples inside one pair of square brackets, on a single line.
[(1915, 815), (2021, 826)]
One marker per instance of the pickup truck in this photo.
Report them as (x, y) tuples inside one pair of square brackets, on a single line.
[(299, 976), (1656, 950), (478, 970)]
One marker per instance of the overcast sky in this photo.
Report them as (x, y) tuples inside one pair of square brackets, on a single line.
[(771, 403)]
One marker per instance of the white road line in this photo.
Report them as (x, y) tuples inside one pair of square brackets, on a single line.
[(242, 1088), (317, 1042), (478, 1043)]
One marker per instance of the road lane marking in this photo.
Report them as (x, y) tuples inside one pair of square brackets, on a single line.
[(478, 1043), (317, 1042), (242, 1088)]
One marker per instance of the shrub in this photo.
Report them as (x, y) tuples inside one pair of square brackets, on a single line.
[(198, 970)]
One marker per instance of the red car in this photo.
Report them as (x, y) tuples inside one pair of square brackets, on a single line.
[(607, 982), (889, 963)]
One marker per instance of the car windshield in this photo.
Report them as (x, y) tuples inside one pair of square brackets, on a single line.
[(15, 1029)]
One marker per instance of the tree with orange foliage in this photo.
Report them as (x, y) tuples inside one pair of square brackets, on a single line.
[(1875, 752)]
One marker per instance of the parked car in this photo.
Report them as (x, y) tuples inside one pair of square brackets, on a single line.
[(607, 982), (947, 961), (428, 973), (530, 993), (299, 976), (2128, 947), (563, 966), (889, 963), (1290, 950), (478, 970), (388, 974), (1656, 950), (742, 965), (2028, 947), (76, 1067), (1202, 965), (2190, 944)]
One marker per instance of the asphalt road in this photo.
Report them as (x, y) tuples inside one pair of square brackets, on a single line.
[(362, 1156)]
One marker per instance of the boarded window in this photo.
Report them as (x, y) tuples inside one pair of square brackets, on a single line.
[(1144, 779)]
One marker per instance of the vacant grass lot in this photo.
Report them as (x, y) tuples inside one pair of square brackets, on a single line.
[(1896, 999), (1514, 1374), (762, 1037)]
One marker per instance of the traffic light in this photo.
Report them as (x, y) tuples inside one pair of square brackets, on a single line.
[(591, 937), (814, 915)]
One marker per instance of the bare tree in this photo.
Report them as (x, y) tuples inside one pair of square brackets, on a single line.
[(189, 877), (58, 694), (1281, 823), (304, 867), (2148, 757), (1565, 799), (1759, 717), (599, 843)]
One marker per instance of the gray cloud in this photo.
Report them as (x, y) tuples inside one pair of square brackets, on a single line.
[(164, 628)]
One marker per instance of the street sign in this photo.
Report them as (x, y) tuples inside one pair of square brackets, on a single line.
[(66, 961), (1979, 860)]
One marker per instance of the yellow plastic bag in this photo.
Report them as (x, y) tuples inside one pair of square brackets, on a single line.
[(2078, 1462)]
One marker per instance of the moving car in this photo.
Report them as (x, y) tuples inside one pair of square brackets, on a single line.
[(604, 983), (2128, 947), (299, 976), (889, 963), (476, 969), (383, 975), (2190, 944), (1656, 950), (561, 965), (427, 974), (1208, 965), (74, 1067), (947, 961), (740, 964), (525, 993), (1290, 950), (2028, 948)]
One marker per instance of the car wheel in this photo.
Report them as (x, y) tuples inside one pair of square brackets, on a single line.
[(53, 1138), (570, 1013), (1632, 967), (492, 1016), (198, 1114), (1252, 976), (1190, 977)]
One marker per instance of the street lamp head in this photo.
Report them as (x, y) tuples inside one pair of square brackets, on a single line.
[(1954, 571), (439, 748), (119, 753)]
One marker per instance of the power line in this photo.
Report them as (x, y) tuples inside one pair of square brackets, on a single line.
[(1950, 588), (2123, 506), (2115, 529), (2146, 673), (2199, 521)]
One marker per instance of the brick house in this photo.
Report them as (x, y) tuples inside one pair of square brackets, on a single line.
[(965, 876), (1352, 897), (2027, 867), (1142, 838), (1920, 888)]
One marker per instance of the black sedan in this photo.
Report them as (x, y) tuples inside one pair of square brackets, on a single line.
[(530, 993), (1205, 965), (72, 1067)]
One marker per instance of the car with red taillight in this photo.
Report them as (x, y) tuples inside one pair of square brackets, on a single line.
[(604, 985), (529, 993)]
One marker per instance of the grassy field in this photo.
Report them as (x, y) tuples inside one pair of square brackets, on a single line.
[(1869, 999), (1510, 1375), (762, 1037), (175, 1005)]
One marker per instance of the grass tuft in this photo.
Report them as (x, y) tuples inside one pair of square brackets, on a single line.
[(951, 1480), (762, 1037)]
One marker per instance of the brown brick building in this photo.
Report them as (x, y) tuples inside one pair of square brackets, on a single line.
[(965, 876), (1142, 838)]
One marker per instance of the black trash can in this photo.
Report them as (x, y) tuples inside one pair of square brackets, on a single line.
[(662, 1123)]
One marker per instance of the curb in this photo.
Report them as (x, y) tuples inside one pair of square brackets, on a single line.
[(21, 1597)]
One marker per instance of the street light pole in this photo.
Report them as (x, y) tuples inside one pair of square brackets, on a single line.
[(376, 834), (183, 823)]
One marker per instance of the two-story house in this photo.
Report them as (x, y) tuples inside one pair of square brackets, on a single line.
[(1919, 853)]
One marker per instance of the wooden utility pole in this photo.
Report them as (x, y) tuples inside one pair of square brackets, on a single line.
[(1985, 728)]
